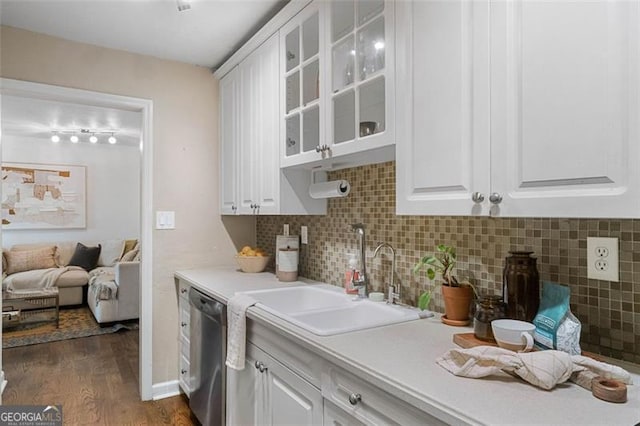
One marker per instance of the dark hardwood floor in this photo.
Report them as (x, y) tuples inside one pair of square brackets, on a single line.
[(95, 379)]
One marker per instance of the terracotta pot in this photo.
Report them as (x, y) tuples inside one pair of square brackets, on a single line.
[(457, 301)]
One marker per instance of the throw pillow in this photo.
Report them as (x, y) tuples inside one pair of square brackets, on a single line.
[(111, 252), (129, 256), (27, 260), (85, 257), (129, 245)]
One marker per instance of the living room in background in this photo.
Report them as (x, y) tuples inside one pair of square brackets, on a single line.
[(43, 196)]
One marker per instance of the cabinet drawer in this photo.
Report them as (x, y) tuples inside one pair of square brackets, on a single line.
[(374, 406), (185, 321), (185, 375), (183, 290), (288, 352)]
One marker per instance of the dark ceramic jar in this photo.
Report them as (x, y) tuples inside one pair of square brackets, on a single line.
[(488, 308), (521, 286)]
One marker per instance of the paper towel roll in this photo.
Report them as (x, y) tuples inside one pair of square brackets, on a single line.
[(332, 189)]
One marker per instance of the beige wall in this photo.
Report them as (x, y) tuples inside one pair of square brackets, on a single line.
[(185, 147)]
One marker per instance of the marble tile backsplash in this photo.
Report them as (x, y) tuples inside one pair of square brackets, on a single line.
[(609, 311)]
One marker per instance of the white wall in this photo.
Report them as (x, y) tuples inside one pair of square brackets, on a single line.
[(113, 187)]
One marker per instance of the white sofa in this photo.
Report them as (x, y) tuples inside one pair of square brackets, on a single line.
[(125, 304)]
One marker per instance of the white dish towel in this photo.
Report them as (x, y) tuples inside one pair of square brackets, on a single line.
[(237, 329)]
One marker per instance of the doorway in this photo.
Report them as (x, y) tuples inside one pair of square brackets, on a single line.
[(37, 91)]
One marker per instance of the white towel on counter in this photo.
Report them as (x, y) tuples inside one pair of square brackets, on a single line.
[(237, 329), (544, 369)]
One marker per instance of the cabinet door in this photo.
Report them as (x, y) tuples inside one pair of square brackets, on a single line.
[(267, 164), (442, 153), (361, 65), (565, 108), (291, 400), (229, 139), (302, 67), (245, 393), (259, 172), (248, 158), (336, 416)]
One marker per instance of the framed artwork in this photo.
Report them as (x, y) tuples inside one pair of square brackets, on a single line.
[(43, 196)]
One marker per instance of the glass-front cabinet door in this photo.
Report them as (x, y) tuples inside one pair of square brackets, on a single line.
[(360, 51), (302, 69)]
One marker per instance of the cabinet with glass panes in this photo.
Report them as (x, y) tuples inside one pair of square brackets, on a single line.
[(360, 55), (302, 63)]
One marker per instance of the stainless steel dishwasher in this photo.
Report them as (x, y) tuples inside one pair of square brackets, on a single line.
[(208, 348)]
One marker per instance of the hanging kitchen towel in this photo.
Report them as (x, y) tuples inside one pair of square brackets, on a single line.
[(237, 329), (586, 369)]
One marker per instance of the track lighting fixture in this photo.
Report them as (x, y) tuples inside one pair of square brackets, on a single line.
[(75, 134)]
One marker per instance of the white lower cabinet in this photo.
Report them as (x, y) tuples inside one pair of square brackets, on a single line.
[(184, 311), (268, 393)]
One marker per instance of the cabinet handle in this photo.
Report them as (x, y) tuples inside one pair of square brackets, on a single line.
[(354, 398), (183, 371), (234, 208), (262, 368), (257, 364), (183, 324), (291, 142), (183, 290), (290, 56), (477, 197), (495, 198), (318, 149)]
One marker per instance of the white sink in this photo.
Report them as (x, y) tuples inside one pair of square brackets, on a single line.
[(326, 310)]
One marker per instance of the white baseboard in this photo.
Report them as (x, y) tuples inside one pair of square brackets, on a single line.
[(165, 389)]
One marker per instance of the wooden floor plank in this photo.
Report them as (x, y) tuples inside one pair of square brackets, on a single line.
[(95, 379)]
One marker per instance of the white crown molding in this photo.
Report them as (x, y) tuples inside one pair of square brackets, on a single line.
[(270, 28)]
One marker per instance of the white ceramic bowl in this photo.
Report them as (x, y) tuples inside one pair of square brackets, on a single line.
[(513, 334), (252, 264)]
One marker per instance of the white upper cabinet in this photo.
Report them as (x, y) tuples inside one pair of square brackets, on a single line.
[(536, 114), (302, 66), (442, 154), (229, 141), (337, 66), (565, 108)]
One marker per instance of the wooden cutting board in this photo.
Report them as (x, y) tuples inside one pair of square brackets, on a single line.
[(469, 340)]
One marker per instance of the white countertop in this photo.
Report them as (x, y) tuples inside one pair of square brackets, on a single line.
[(401, 360)]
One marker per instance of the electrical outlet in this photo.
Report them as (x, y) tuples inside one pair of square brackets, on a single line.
[(602, 259), (285, 230), (304, 236)]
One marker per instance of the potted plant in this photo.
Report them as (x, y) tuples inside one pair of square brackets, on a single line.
[(457, 296)]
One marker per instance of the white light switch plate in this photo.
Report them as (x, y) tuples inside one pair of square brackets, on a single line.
[(602, 259), (165, 220), (304, 235)]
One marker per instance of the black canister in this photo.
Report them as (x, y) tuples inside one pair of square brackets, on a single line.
[(521, 286)]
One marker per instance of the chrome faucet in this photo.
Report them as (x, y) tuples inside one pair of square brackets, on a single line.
[(362, 281), (394, 291)]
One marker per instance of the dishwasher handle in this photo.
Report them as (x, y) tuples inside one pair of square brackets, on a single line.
[(208, 306)]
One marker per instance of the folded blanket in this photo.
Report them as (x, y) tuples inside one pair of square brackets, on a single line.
[(544, 369), (103, 283), (35, 280)]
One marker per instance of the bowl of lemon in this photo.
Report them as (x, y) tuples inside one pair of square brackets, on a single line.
[(252, 260)]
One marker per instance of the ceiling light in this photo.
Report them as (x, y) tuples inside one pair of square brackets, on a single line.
[(112, 139), (55, 138), (183, 5), (74, 139), (93, 138)]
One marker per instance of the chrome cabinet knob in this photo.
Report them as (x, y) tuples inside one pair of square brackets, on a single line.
[(183, 324), (234, 208), (183, 290), (318, 148), (183, 371), (262, 368), (477, 197), (495, 198), (257, 364), (354, 398)]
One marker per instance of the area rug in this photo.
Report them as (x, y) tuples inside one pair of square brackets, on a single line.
[(74, 323)]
